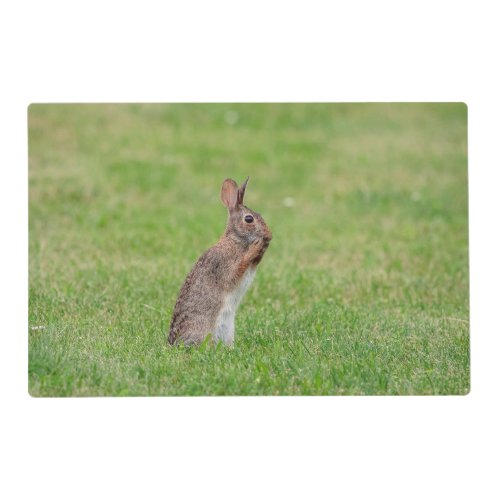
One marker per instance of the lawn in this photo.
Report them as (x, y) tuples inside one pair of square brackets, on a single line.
[(363, 290)]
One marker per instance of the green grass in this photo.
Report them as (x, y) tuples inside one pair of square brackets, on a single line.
[(364, 289)]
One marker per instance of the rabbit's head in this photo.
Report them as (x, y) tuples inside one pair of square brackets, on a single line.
[(243, 224)]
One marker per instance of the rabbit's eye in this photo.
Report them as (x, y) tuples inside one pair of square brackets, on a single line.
[(248, 218)]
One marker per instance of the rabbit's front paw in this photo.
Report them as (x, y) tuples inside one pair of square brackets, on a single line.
[(255, 248)]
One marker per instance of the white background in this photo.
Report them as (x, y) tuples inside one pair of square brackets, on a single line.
[(361, 447)]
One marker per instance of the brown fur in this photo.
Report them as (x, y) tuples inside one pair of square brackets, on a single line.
[(219, 270)]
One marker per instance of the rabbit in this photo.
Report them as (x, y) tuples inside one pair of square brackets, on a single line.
[(210, 296)]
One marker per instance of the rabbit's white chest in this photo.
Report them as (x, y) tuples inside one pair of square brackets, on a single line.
[(224, 325)]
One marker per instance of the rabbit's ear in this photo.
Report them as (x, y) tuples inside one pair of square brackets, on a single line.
[(229, 193), (241, 191)]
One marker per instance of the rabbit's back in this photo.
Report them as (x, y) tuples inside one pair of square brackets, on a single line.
[(199, 301)]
